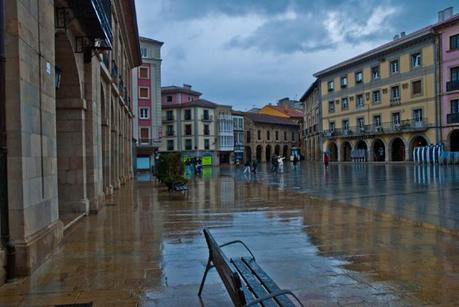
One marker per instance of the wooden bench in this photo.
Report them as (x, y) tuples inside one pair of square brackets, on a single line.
[(246, 283)]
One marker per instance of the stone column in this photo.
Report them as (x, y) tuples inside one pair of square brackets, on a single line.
[(106, 140)]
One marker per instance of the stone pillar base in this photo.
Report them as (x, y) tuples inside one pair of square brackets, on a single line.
[(38, 248), (116, 184), (108, 190), (80, 206), (96, 204)]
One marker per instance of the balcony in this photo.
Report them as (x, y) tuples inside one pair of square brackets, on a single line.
[(452, 118), (169, 118), (395, 101), (114, 70), (148, 142), (208, 118), (452, 86), (409, 125), (170, 133), (96, 18)]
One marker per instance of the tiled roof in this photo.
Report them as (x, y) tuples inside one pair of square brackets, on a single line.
[(150, 40), (178, 89), (269, 119), (290, 112), (195, 103)]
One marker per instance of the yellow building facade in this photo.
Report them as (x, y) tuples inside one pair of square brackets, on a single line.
[(382, 104)]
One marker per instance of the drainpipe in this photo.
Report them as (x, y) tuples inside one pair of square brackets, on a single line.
[(5, 229)]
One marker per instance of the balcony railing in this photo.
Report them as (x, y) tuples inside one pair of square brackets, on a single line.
[(170, 133), (114, 70), (452, 118), (207, 118), (395, 101), (148, 142), (452, 86), (376, 129), (168, 118)]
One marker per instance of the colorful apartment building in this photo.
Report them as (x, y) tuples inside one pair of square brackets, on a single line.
[(238, 129), (312, 122), (146, 82), (448, 30), (225, 134), (382, 103), (188, 124)]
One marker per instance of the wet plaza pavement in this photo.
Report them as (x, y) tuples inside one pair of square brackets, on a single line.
[(424, 194), (146, 247)]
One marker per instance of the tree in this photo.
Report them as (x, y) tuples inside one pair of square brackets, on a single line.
[(170, 170)]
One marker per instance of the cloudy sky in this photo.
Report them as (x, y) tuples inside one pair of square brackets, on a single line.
[(250, 52)]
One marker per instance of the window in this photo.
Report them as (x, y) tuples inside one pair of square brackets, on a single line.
[(206, 130), (169, 98), (332, 126), (358, 77), (170, 130), (277, 135), (344, 103), (170, 145), (394, 67), (187, 129), (259, 134), (268, 135), (361, 123), (144, 52), (293, 136), (345, 124), (190, 98), (144, 113), (285, 135), (376, 96), (169, 115), (248, 137), (144, 135), (144, 72), (206, 144), (454, 74), (416, 60), (417, 115), (331, 86), (188, 144), (331, 106), (375, 73), (187, 114), (377, 121), (454, 42), (359, 102), (396, 119), (344, 82), (455, 106), (395, 93), (205, 115), (144, 92), (416, 87)]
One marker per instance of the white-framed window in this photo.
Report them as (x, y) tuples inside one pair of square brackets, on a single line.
[(144, 52), (396, 119), (416, 60), (345, 103), (454, 106), (331, 86), (144, 92), (376, 96), (375, 73), (144, 113), (358, 76), (343, 81), (345, 124), (417, 115), (361, 122), (377, 120), (359, 102), (395, 92), (144, 72), (144, 135), (394, 67)]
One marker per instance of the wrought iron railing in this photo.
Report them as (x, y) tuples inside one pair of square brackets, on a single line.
[(452, 118), (452, 86)]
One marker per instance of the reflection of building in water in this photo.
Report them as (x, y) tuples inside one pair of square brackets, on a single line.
[(403, 254)]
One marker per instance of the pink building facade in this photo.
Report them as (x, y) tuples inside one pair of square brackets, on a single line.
[(449, 81)]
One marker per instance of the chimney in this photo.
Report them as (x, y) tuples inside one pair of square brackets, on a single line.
[(396, 37), (402, 34), (445, 14), (187, 86)]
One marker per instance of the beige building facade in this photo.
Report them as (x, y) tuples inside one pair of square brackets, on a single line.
[(267, 135), (69, 117), (382, 104), (312, 123)]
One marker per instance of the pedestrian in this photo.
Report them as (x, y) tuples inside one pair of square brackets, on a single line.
[(247, 167), (295, 161), (254, 166), (280, 163), (326, 159), (198, 166), (274, 164)]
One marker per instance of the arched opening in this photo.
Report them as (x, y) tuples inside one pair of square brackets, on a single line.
[(361, 145), (454, 140), (418, 141), (259, 153), (285, 152), (398, 150), (70, 133), (379, 151), (346, 151), (268, 153), (333, 151), (277, 150), (248, 153), (362, 151)]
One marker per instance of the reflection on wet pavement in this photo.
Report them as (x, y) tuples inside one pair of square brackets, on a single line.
[(148, 249), (425, 194)]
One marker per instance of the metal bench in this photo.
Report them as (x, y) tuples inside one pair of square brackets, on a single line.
[(180, 187), (246, 283)]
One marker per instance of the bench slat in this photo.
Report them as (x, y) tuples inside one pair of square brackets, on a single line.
[(267, 282), (252, 282)]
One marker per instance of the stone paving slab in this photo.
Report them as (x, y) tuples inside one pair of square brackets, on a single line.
[(148, 250)]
